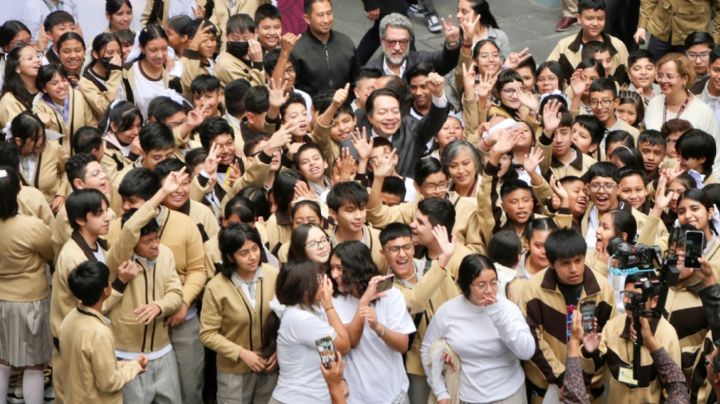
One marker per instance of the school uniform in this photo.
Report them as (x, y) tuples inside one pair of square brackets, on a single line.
[(90, 372), (100, 92), (46, 171), (10, 107), (650, 229), (32, 202), (226, 8), (232, 319), (194, 65), (548, 316), (140, 89), (568, 51), (551, 165), (66, 119), (203, 217), (371, 238), (117, 157), (279, 230)]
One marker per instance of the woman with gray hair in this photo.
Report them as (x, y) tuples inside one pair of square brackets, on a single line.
[(462, 164)]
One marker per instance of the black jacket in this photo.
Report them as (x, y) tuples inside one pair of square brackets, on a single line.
[(322, 66), (386, 6), (444, 60)]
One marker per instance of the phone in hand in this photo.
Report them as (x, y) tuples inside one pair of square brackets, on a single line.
[(385, 284), (587, 309), (326, 349), (694, 241)]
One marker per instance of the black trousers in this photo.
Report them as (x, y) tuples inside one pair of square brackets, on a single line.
[(621, 20)]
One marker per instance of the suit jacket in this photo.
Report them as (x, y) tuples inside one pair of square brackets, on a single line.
[(443, 61)]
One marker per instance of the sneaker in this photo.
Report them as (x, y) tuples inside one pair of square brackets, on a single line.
[(565, 23), (433, 24), (417, 10)]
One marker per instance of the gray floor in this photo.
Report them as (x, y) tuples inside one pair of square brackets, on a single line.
[(527, 24)]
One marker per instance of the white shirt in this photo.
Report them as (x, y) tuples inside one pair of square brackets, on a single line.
[(300, 380), (181, 7), (389, 72), (146, 89), (410, 191), (244, 285), (712, 101), (490, 342), (374, 372), (35, 12)]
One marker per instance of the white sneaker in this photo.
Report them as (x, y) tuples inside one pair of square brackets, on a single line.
[(416, 10), (433, 24)]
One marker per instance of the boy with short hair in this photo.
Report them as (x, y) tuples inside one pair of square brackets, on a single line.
[(591, 15), (238, 60), (268, 26), (393, 191), (587, 135), (600, 51), (206, 92), (556, 141), (424, 290), (257, 104), (603, 101), (548, 304), (652, 146), (312, 166), (364, 86), (416, 76), (90, 370), (57, 23)]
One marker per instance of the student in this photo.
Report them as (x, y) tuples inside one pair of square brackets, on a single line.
[(230, 303), (381, 149), (614, 348), (268, 26), (393, 191), (57, 23), (156, 144), (127, 39), (90, 370), (504, 250), (363, 86), (347, 202), (549, 302), (695, 208), (549, 78), (101, 82), (614, 224), (631, 109), (586, 72), (632, 188), (615, 140), (67, 108), (309, 241), (671, 131), (710, 91), (625, 157), (591, 15), (180, 234), (696, 155), (24, 292), (233, 99), (603, 101), (121, 125), (12, 34), (198, 57), (653, 147), (534, 258), (242, 58), (22, 64), (641, 70), (557, 135), (334, 127), (416, 75), (147, 75), (119, 14), (601, 52), (71, 48), (377, 333), (206, 94), (587, 135)]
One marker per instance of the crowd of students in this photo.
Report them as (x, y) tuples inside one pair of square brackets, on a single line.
[(212, 210)]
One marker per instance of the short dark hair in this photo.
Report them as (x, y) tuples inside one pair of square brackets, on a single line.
[(305, 147), (271, 58), (156, 136), (162, 108), (258, 197), (604, 84), (267, 11), (697, 143), (564, 243), (293, 98), (81, 202), (631, 97), (714, 55), (699, 38), (426, 167), (505, 247), (513, 185), (675, 125), (629, 172), (439, 211), (56, 18), (591, 48), (394, 186), (470, 268), (418, 69), (630, 157), (70, 36), (242, 207), (235, 96), (652, 136), (367, 73), (539, 224), (603, 169), (124, 113), (86, 139), (308, 5), (619, 136), (239, 23), (212, 128), (592, 125), (592, 63), (640, 54), (88, 280), (257, 100), (369, 104), (46, 74), (76, 167), (394, 231), (595, 5), (165, 167), (204, 84), (231, 239), (556, 69), (150, 227), (9, 189), (140, 182), (347, 193)]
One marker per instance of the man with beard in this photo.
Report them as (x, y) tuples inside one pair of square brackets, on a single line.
[(396, 34)]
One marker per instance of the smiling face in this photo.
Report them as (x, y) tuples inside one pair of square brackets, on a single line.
[(518, 206), (462, 169), (317, 246), (547, 81), (320, 19), (627, 112), (670, 80), (488, 59), (510, 94), (350, 218), (536, 248), (156, 52), (603, 193), (576, 197), (694, 213), (336, 273), (57, 88), (451, 131), (605, 232), (343, 126), (603, 105), (226, 143), (268, 31), (633, 191), (420, 93), (385, 117), (121, 19), (678, 188), (434, 186), (127, 136), (72, 55), (178, 198), (714, 80), (642, 73), (311, 164), (296, 114), (592, 22), (422, 230), (399, 254)]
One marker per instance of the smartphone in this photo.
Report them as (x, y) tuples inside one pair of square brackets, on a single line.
[(694, 241), (385, 284), (326, 349), (588, 315)]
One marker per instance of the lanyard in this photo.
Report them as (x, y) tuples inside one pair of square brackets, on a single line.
[(682, 108)]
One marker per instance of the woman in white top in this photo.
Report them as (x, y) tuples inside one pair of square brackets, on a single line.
[(378, 325), (305, 314), (147, 77), (489, 335)]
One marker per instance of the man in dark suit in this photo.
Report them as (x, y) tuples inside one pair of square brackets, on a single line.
[(396, 34)]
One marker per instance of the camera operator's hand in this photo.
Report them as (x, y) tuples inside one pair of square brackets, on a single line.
[(706, 272), (649, 340)]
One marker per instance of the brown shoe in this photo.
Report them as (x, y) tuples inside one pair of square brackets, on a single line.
[(565, 23)]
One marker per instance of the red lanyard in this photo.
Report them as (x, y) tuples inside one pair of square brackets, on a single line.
[(682, 108)]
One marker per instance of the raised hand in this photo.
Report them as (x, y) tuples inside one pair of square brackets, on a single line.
[(212, 161), (468, 78), (447, 246), (326, 292), (484, 87), (533, 159), (302, 191), (371, 291), (469, 27), (174, 180), (577, 327), (288, 41), (528, 99), (196, 117), (341, 95), (452, 32), (662, 197), (516, 58), (281, 138), (578, 83), (255, 52), (203, 34), (559, 190), (505, 144), (127, 271), (384, 166), (436, 84), (363, 145), (345, 167), (551, 117), (277, 93)]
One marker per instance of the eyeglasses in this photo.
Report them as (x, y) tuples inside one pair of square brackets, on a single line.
[(393, 42), (440, 186), (604, 103), (493, 284), (316, 245), (701, 56), (408, 248), (595, 187)]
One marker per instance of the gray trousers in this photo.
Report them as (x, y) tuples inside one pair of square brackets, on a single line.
[(245, 389), (190, 354), (159, 384), (519, 397), (419, 389)]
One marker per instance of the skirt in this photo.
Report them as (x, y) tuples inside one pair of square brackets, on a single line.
[(25, 337)]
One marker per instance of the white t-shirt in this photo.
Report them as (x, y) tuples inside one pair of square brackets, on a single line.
[(300, 380), (374, 372), (35, 12), (146, 89)]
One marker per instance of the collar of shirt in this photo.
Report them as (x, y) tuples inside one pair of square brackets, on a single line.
[(238, 281), (576, 163), (234, 122), (374, 134), (386, 68)]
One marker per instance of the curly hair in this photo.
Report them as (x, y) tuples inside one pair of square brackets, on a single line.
[(357, 267)]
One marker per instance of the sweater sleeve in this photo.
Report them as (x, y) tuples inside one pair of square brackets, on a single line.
[(109, 377), (434, 332), (382, 215), (210, 323), (196, 274), (417, 297), (513, 328), (173, 297)]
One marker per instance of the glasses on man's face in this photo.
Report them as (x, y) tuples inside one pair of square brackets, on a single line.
[(604, 103), (394, 42), (493, 284), (698, 55), (408, 248), (317, 244), (438, 186), (597, 186)]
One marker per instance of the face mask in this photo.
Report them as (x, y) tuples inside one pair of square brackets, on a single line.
[(105, 61), (239, 49)]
